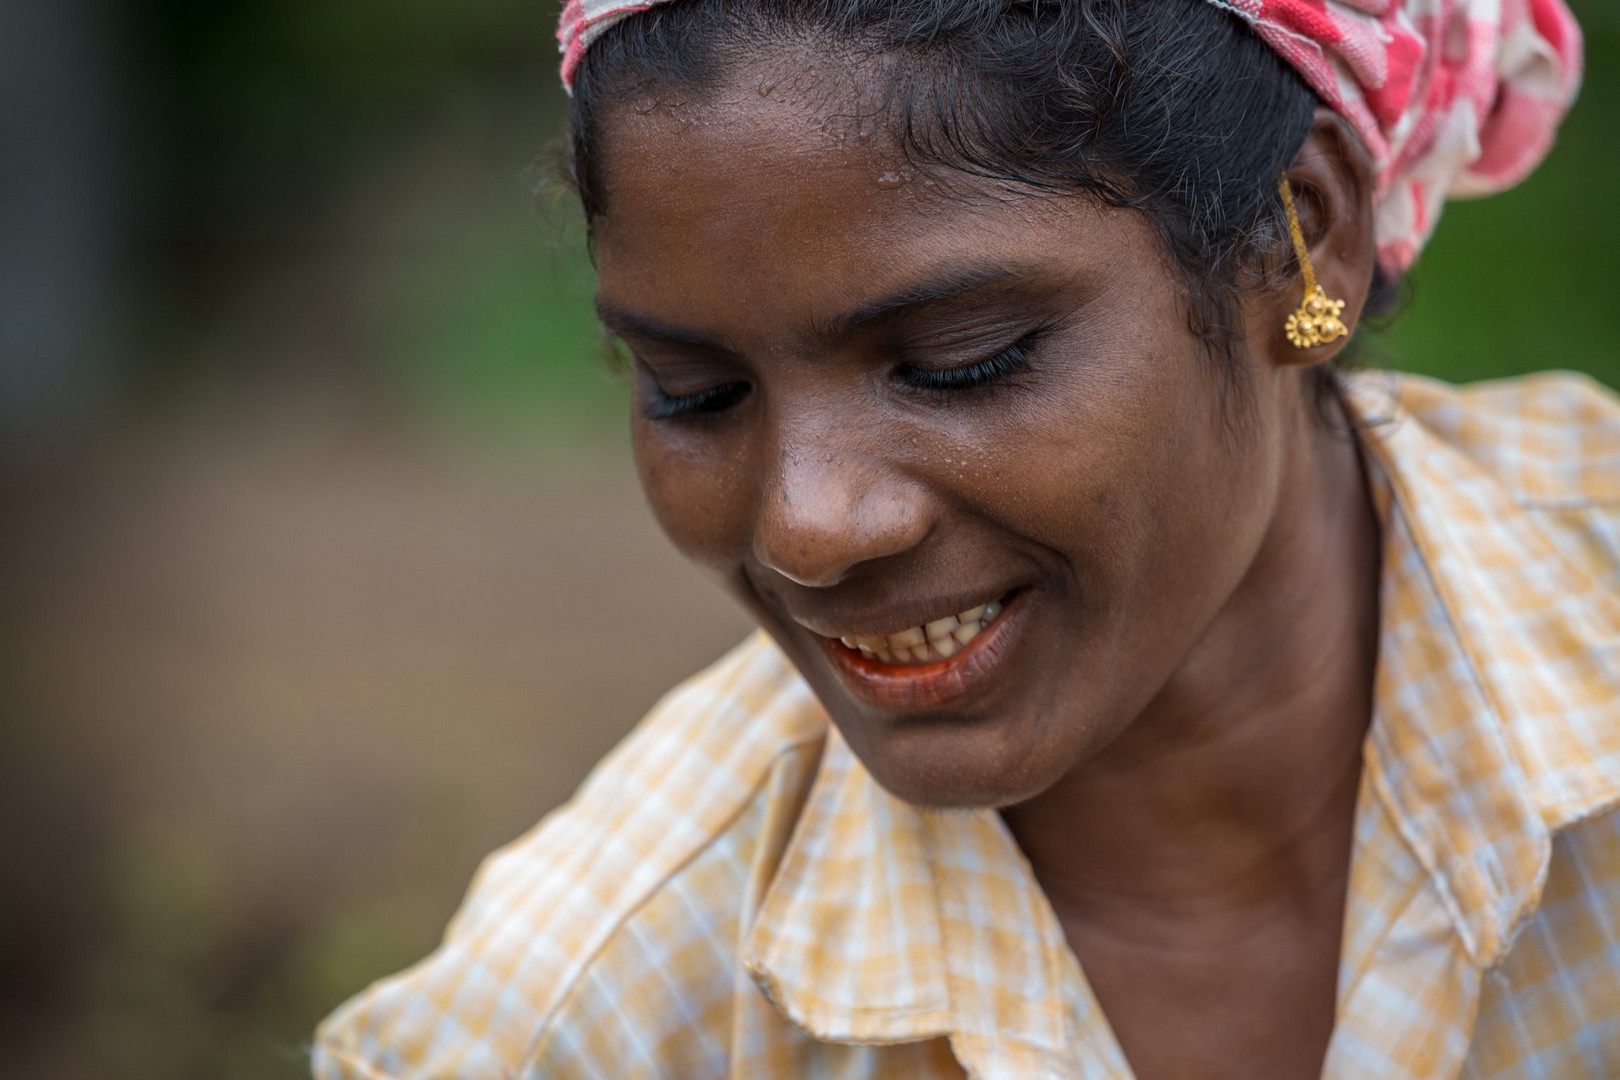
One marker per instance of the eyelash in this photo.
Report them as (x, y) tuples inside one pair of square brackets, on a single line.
[(1014, 358), (718, 399)]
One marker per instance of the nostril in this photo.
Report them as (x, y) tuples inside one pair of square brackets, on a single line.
[(823, 514), (808, 581), (806, 554)]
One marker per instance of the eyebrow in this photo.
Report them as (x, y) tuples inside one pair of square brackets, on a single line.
[(951, 285), (939, 289), (627, 323)]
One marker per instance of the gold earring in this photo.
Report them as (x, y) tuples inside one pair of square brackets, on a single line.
[(1317, 321)]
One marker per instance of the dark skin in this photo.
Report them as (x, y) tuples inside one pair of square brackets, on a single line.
[(1171, 719)]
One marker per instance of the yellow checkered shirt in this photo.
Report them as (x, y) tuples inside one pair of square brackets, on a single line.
[(730, 894)]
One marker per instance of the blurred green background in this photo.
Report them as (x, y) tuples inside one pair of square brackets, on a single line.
[(323, 569)]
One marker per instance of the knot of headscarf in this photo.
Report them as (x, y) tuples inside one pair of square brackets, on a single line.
[(1450, 97)]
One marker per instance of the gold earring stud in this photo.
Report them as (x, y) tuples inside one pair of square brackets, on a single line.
[(1318, 319)]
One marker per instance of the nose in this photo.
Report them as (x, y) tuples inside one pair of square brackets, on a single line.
[(829, 507)]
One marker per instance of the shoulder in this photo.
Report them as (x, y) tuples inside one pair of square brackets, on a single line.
[(674, 818), (1552, 438), (1559, 975), (1549, 441)]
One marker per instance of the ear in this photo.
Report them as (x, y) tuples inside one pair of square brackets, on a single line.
[(1332, 180)]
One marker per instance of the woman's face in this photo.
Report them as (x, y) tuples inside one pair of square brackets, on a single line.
[(867, 407)]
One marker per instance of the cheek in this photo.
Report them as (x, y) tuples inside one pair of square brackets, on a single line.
[(1098, 461), (700, 489), (1131, 473)]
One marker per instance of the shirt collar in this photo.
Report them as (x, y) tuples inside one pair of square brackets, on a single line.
[(888, 923), (1499, 676), (1498, 685)]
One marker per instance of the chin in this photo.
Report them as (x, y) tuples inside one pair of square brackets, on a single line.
[(955, 766)]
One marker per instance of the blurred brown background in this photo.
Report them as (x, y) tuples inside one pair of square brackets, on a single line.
[(322, 566)]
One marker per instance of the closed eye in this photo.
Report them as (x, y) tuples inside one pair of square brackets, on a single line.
[(716, 399), (1011, 360)]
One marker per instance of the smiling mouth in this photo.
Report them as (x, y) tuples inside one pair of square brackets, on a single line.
[(930, 665), (926, 643)]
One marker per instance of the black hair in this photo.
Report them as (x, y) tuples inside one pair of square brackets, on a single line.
[(1175, 108)]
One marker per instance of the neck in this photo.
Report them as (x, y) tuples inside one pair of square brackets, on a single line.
[(1234, 792)]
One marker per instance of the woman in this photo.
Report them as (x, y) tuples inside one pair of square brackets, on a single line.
[(1136, 696)]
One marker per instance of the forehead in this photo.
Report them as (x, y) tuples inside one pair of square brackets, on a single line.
[(779, 207), (758, 176), (755, 132)]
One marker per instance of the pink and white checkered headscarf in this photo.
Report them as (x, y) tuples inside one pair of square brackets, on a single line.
[(1451, 97)]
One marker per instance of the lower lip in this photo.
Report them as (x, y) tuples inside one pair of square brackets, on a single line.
[(911, 687)]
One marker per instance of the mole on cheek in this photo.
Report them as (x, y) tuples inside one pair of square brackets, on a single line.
[(1107, 503)]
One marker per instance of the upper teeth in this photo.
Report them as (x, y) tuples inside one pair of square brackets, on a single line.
[(937, 640)]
